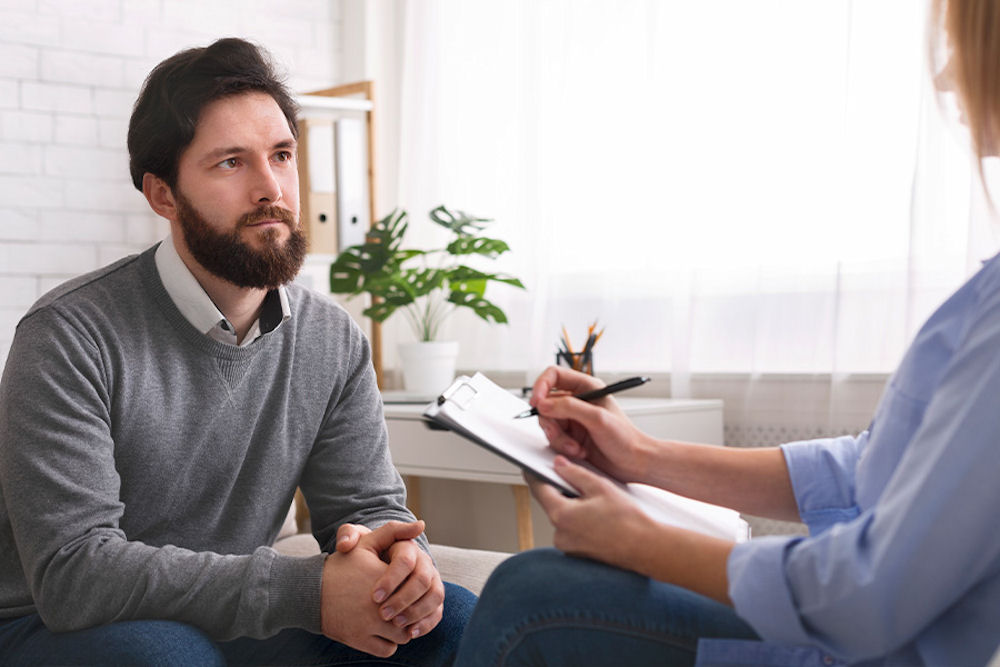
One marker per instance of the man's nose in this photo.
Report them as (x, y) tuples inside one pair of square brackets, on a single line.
[(266, 188)]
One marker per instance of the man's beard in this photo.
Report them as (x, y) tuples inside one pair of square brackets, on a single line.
[(227, 256)]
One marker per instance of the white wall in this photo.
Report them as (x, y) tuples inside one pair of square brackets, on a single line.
[(70, 71), (373, 43)]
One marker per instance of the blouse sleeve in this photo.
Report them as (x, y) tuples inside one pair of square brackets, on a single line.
[(823, 479), (918, 556)]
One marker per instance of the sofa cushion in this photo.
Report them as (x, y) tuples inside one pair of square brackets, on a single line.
[(469, 568), (290, 527)]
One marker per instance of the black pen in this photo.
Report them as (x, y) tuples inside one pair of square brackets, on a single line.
[(597, 393)]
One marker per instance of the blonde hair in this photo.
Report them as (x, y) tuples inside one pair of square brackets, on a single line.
[(966, 35)]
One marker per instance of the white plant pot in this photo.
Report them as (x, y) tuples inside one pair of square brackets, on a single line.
[(428, 366)]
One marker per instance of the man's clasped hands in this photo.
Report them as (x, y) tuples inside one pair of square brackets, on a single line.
[(380, 589)]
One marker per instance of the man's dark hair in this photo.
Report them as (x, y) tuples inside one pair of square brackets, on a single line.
[(166, 114)]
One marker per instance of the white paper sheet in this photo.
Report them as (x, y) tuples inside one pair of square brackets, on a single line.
[(483, 412)]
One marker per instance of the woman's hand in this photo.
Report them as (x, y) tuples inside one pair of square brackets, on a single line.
[(602, 523), (597, 431)]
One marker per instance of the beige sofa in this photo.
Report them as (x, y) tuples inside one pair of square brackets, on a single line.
[(466, 567)]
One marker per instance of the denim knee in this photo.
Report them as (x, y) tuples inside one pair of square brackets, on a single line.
[(446, 635), (544, 607), (27, 641), (458, 605), (529, 578), (163, 643)]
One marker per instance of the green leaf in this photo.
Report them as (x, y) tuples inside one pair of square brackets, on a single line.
[(369, 266), (346, 274), (462, 274), (482, 307), (477, 245), (389, 231), (509, 280), (459, 222), (380, 311), (423, 282), (390, 287)]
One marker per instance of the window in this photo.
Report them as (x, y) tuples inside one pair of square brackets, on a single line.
[(726, 186)]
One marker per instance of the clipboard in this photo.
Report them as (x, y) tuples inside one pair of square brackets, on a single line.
[(483, 413)]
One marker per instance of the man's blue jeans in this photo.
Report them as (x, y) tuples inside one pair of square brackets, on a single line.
[(26, 641), (545, 608)]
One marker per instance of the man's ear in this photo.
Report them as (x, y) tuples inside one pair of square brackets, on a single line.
[(160, 196)]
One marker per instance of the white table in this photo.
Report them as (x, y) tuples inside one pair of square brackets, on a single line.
[(419, 451)]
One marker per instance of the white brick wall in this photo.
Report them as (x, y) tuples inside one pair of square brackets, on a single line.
[(69, 73)]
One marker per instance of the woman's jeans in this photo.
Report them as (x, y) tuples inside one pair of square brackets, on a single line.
[(545, 608)]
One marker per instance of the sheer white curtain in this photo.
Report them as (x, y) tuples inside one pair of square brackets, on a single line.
[(725, 186)]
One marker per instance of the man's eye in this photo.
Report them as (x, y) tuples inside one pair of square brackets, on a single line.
[(229, 163), (283, 156)]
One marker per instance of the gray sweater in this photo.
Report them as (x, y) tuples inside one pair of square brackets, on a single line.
[(144, 467)]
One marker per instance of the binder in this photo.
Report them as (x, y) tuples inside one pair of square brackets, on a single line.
[(317, 191), (483, 413), (351, 161)]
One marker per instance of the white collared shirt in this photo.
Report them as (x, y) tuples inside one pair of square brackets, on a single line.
[(198, 308)]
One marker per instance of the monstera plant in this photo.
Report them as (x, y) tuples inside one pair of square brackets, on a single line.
[(426, 285)]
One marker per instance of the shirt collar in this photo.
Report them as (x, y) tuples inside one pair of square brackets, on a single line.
[(199, 309)]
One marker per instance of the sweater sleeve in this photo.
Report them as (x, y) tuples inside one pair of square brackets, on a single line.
[(60, 494), (350, 477)]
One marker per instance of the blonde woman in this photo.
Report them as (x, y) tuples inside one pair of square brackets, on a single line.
[(902, 563)]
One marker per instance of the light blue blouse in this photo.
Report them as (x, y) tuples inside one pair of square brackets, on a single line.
[(902, 562)]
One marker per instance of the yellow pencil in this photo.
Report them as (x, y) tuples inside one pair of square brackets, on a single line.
[(569, 348)]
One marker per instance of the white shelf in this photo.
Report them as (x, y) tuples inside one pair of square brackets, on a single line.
[(317, 106)]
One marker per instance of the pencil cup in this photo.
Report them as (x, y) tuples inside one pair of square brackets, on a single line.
[(578, 361)]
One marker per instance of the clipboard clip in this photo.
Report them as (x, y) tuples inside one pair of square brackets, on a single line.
[(460, 393)]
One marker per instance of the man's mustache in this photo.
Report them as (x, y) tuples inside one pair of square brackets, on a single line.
[(268, 213)]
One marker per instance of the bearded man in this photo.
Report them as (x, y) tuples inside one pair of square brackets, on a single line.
[(158, 414)]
